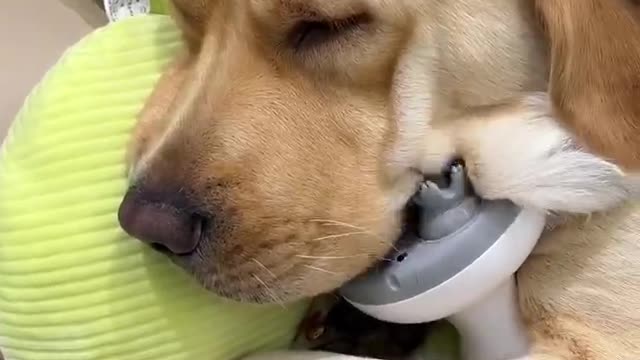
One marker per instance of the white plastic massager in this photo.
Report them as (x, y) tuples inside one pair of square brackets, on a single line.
[(459, 265)]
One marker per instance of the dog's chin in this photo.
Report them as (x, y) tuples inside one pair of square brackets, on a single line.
[(195, 263), (243, 287), (244, 279)]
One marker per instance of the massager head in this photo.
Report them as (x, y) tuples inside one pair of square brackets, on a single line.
[(457, 231)]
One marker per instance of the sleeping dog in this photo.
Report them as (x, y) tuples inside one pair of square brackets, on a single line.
[(276, 154)]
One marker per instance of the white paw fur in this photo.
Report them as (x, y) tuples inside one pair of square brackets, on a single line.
[(520, 153)]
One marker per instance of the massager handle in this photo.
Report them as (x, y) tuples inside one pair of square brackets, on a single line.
[(492, 328)]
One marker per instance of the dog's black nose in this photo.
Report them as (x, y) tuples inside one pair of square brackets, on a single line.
[(166, 220)]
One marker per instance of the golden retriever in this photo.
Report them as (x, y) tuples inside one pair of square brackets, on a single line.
[(275, 157)]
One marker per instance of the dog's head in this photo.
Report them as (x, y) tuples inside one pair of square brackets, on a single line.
[(260, 162)]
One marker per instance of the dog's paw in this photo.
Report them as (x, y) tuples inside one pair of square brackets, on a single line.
[(523, 155)]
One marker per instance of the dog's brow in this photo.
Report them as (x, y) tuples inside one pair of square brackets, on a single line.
[(314, 9), (300, 9)]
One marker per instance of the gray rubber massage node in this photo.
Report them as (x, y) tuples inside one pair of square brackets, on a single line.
[(455, 228), (457, 263), (445, 210)]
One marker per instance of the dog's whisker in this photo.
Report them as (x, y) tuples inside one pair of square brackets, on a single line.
[(322, 270), (331, 257), (337, 223), (271, 293), (335, 236), (264, 267), (342, 257), (362, 230)]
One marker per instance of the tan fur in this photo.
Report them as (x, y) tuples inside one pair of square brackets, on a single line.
[(306, 157), (579, 290)]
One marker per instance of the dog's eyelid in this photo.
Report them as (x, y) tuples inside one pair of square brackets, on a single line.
[(315, 31)]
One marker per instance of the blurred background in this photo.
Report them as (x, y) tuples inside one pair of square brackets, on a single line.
[(33, 35)]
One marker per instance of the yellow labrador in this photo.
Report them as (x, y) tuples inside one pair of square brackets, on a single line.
[(276, 155)]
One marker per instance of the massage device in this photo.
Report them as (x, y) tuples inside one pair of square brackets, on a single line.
[(458, 264)]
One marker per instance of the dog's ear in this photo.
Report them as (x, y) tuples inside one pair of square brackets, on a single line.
[(192, 17), (595, 73)]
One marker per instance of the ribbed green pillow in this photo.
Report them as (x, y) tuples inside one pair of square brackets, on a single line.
[(72, 284), (159, 6)]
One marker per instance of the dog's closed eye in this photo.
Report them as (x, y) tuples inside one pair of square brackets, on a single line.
[(310, 33)]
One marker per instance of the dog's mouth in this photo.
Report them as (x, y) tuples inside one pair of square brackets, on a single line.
[(409, 226), (213, 270)]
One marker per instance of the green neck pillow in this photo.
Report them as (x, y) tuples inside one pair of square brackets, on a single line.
[(72, 285)]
